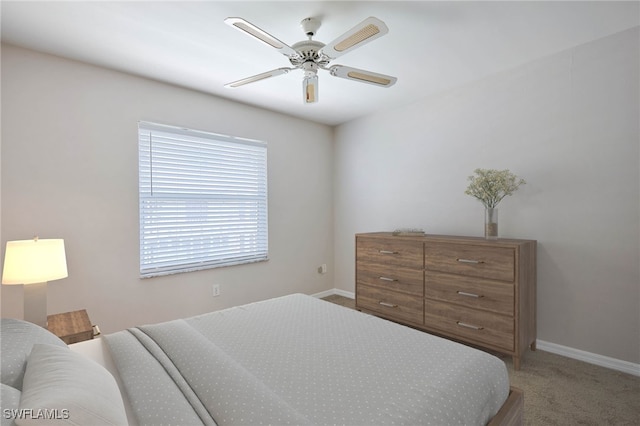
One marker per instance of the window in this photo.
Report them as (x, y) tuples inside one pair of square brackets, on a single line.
[(203, 200)]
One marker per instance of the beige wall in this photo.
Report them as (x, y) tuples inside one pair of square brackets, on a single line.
[(568, 124), (69, 170)]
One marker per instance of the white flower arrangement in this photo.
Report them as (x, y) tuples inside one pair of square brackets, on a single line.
[(491, 186)]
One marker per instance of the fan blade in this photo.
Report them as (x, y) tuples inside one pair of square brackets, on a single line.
[(258, 77), (362, 76), (310, 89), (366, 31), (263, 36)]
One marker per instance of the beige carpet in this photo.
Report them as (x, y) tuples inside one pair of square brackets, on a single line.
[(564, 391)]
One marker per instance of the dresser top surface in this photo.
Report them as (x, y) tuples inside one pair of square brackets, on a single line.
[(448, 238)]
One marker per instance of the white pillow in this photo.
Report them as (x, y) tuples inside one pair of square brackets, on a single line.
[(17, 340), (63, 387)]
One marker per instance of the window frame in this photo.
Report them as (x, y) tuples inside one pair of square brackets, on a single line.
[(203, 200)]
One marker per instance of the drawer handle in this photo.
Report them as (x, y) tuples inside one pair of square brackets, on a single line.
[(464, 324), (387, 252), (475, 262), (388, 305), (464, 293), (387, 279)]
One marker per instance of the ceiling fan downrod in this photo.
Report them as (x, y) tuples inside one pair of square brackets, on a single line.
[(310, 26)]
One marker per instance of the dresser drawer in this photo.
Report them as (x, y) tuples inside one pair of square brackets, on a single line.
[(470, 324), (393, 305), (478, 293), (391, 277), (473, 260), (390, 251)]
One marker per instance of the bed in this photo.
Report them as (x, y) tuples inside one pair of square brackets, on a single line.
[(291, 360)]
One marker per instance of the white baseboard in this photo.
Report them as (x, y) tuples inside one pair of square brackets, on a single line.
[(591, 358), (325, 293), (344, 293), (336, 291)]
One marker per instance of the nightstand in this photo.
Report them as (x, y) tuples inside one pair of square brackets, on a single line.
[(71, 327)]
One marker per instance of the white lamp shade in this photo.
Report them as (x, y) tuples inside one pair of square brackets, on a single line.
[(34, 261)]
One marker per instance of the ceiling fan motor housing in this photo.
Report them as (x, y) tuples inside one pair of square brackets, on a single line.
[(308, 51)]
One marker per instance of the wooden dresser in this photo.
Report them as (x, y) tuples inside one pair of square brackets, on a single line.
[(477, 291)]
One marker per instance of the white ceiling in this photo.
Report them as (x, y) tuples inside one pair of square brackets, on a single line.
[(431, 46)]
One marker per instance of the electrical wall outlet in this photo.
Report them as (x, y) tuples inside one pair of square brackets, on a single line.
[(216, 290), (322, 269)]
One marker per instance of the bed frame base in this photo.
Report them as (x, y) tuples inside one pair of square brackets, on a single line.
[(512, 412)]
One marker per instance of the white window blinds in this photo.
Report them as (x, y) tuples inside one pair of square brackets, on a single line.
[(203, 200)]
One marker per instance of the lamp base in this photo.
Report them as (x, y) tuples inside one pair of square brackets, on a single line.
[(35, 303)]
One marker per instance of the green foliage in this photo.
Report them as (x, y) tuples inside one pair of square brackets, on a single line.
[(491, 186)]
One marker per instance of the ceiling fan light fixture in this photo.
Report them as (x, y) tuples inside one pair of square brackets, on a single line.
[(310, 89)]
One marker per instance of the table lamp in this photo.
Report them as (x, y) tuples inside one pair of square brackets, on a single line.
[(33, 263)]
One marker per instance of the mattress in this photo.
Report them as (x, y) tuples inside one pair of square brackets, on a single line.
[(300, 360)]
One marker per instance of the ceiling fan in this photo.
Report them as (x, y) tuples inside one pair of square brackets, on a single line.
[(311, 56)]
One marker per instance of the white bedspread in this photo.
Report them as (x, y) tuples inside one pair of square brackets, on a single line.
[(326, 365)]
